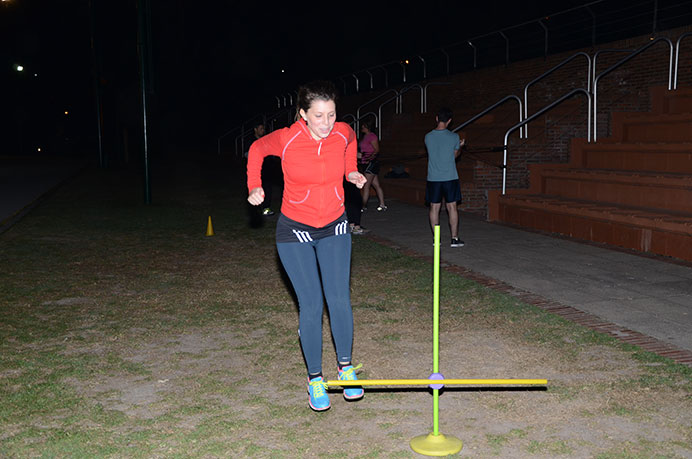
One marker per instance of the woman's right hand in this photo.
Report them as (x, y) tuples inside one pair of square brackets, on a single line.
[(256, 196)]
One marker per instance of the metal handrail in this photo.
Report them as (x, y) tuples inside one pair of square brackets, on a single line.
[(371, 101), (398, 104), (609, 50), (489, 109), (263, 116), (377, 122), (368, 70), (535, 80), (536, 115), (425, 92), (408, 88), (241, 137), (357, 120), (218, 140), (245, 132), (677, 54), (618, 64), (272, 118)]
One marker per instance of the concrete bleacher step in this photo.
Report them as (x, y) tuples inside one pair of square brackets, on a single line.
[(410, 190), (648, 128), (643, 229), (640, 189), (677, 101), (654, 157), (631, 190)]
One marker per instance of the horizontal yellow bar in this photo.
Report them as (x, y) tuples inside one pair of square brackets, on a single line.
[(446, 382)]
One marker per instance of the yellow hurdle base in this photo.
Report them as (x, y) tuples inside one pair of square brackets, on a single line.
[(436, 445), (445, 382)]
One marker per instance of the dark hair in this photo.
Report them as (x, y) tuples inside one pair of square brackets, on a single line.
[(315, 90), (444, 114), (369, 123)]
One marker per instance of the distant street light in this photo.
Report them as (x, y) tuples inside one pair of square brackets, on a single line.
[(19, 68)]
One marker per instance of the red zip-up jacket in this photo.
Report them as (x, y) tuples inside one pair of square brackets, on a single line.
[(313, 170)]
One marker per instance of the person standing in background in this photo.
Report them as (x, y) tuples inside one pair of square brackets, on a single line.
[(272, 176), (369, 148), (443, 148)]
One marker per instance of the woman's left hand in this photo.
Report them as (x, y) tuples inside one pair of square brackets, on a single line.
[(357, 179)]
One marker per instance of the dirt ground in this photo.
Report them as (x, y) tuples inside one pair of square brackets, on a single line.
[(593, 405)]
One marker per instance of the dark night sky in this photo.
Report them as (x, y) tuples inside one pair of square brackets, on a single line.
[(214, 63)]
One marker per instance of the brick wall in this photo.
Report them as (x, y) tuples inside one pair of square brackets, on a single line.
[(624, 89)]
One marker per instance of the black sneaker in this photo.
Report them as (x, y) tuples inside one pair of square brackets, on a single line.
[(456, 242)]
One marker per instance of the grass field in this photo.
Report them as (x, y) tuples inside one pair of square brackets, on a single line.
[(126, 332)]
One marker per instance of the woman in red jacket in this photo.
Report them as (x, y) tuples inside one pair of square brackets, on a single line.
[(312, 233)]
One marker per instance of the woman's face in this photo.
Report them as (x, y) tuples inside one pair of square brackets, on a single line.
[(364, 128), (320, 118)]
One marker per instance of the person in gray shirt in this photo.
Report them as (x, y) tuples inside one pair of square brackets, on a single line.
[(443, 148)]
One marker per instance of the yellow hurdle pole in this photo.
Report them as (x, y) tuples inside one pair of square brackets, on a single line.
[(436, 328), (445, 382)]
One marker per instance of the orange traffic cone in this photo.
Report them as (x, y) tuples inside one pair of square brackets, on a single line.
[(210, 229)]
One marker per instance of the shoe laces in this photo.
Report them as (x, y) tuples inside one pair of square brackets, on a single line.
[(318, 387), (350, 374)]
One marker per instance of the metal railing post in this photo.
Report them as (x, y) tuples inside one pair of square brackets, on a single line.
[(506, 46), (618, 64), (489, 109), (474, 54), (677, 55), (425, 93), (386, 76), (397, 99), (446, 57), (534, 116), (595, 59), (372, 86), (358, 117), (545, 30), (548, 72)]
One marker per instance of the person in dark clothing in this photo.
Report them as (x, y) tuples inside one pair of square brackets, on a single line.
[(354, 203), (272, 176)]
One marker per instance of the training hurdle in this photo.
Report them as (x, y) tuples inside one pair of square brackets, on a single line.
[(435, 443)]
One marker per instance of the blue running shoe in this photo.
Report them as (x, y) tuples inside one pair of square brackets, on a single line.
[(348, 373), (319, 400)]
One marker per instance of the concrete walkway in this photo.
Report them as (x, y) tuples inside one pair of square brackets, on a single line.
[(645, 300), (25, 180)]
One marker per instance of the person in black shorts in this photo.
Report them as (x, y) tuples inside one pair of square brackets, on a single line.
[(369, 165), (443, 148)]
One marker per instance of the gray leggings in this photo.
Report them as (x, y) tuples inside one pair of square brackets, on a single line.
[(323, 265)]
